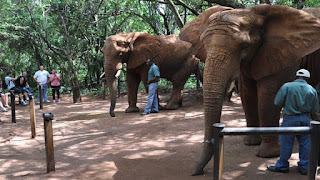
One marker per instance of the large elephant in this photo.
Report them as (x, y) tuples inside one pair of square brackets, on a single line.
[(264, 45), (172, 56)]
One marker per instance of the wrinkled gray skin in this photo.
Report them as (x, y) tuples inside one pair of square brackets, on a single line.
[(265, 46)]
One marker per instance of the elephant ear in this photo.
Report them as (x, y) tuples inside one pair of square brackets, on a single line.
[(142, 44), (288, 35), (193, 30)]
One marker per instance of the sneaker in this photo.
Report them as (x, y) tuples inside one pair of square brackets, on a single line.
[(154, 111), (54, 101), (23, 103), (4, 110), (47, 101), (58, 100), (144, 113), (303, 172), (276, 169)]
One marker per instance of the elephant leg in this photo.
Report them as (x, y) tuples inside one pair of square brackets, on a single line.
[(175, 100), (178, 80), (269, 114), (132, 80), (249, 98)]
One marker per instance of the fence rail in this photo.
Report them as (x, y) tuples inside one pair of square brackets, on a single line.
[(220, 131)]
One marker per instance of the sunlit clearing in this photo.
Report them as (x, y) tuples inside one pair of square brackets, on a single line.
[(246, 164), (157, 154), (232, 175)]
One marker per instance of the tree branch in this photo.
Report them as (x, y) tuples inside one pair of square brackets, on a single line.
[(176, 13), (188, 7), (228, 3)]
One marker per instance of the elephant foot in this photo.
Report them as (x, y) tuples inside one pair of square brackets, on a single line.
[(252, 140), (171, 106), (160, 107), (196, 172), (132, 109), (268, 150), (112, 114)]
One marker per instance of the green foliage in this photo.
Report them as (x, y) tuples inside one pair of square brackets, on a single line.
[(68, 35)]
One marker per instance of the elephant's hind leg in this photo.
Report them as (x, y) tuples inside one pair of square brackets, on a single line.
[(178, 81), (249, 98), (133, 81)]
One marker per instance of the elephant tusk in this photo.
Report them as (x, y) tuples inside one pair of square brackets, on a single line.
[(102, 75), (118, 74)]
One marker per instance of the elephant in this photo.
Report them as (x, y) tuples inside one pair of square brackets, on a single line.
[(264, 45), (170, 54)]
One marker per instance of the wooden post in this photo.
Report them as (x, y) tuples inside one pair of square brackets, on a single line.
[(41, 96), (218, 151), (13, 106), (103, 89), (32, 116), (48, 134), (119, 86)]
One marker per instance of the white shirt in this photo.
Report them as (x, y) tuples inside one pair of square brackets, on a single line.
[(42, 76)]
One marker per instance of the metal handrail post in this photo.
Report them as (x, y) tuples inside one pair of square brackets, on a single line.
[(314, 149), (13, 106)]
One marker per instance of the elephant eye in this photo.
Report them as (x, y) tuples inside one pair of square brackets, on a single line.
[(244, 46)]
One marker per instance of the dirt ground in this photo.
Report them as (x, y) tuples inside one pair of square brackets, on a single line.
[(89, 144)]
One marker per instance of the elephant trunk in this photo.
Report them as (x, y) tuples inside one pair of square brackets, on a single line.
[(217, 74), (111, 73)]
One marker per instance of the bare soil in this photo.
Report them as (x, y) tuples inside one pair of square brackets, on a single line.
[(89, 144)]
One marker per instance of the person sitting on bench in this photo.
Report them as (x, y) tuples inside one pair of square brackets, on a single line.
[(17, 90)]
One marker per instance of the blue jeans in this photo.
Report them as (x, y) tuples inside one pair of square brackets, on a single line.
[(45, 90), (152, 104), (26, 89), (286, 142)]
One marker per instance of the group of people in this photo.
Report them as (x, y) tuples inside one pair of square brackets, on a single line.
[(20, 86), (42, 77)]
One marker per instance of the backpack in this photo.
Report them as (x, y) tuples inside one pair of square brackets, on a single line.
[(4, 85)]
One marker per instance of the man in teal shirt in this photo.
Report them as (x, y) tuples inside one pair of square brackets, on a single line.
[(298, 99), (153, 78)]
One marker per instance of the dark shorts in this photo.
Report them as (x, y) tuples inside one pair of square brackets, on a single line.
[(17, 90)]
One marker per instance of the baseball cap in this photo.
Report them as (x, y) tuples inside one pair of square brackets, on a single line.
[(303, 73)]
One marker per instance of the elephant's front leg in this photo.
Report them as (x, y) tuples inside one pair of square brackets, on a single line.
[(249, 98), (132, 81)]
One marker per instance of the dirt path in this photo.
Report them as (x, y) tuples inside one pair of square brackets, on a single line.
[(89, 144)]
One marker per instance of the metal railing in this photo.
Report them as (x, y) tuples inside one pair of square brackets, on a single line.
[(220, 131)]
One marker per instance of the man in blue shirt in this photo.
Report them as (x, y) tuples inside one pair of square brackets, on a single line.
[(298, 99), (153, 78)]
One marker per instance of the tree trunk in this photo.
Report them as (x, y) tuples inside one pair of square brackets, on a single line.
[(176, 13)]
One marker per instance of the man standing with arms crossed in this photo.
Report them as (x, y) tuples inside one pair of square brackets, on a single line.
[(41, 77), (298, 100), (153, 78)]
